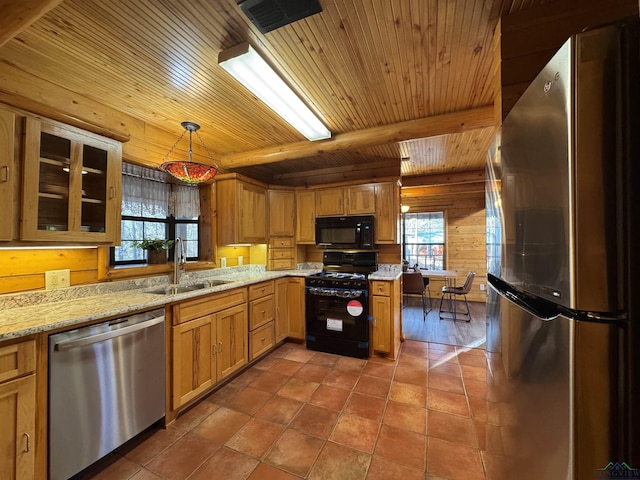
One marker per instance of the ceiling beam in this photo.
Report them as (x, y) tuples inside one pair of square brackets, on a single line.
[(17, 16), (456, 189), (470, 176), (421, 128)]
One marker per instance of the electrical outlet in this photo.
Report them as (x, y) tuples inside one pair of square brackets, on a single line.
[(482, 287), (57, 279), (223, 262), (240, 260)]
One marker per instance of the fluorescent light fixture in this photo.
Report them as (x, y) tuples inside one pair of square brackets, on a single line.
[(252, 71)]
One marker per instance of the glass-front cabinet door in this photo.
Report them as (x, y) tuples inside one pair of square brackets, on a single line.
[(71, 185)]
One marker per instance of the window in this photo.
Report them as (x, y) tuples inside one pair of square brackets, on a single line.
[(152, 208), (423, 239)]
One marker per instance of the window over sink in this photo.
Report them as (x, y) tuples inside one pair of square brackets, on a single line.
[(153, 208)]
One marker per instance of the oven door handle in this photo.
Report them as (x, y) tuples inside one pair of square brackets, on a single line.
[(336, 292)]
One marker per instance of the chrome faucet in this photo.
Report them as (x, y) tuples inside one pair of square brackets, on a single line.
[(179, 259)]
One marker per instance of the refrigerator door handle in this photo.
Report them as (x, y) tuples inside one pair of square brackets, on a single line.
[(540, 308), (546, 310)]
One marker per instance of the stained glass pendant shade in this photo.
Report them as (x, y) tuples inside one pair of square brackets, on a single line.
[(189, 171)]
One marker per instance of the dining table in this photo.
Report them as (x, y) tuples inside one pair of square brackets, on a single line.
[(447, 275)]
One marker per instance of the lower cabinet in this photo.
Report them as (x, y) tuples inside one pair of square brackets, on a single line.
[(17, 410), (290, 313), (261, 318), (385, 307), (209, 342)]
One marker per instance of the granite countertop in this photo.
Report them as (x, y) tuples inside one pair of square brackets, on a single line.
[(28, 313)]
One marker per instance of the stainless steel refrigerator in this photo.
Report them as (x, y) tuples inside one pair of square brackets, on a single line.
[(562, 207)]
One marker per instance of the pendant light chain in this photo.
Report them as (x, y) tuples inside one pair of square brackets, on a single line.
[(164, 159)]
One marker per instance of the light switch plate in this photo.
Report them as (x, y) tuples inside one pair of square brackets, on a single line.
[(223, 262), (57, 279), (240, 260)]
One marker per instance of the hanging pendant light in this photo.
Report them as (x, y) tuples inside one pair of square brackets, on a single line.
[(189, 171)]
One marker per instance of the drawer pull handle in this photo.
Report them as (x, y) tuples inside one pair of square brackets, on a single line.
[(220, 347), (28, 445), (112, 192), (4, 176)]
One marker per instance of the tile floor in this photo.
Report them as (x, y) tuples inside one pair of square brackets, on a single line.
[(302, 414)]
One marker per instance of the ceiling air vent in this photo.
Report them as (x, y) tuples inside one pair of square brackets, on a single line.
[(268, 15)]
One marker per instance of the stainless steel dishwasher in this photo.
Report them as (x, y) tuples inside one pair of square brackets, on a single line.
[(106, 385)]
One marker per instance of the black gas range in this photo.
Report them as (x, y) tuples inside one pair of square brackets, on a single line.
[(337, 304)]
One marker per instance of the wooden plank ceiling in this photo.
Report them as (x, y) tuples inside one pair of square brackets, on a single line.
[(140, 67)]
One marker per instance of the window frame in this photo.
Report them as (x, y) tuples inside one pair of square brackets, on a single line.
[(170, 223), (428, 245)]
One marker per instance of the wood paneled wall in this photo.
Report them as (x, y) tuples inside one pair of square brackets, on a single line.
[(23, 269)]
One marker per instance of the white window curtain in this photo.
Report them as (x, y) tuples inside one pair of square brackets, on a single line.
[(145, 198), (145, 194), (185, 202)]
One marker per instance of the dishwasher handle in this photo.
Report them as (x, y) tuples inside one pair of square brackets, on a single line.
[(101, 337)]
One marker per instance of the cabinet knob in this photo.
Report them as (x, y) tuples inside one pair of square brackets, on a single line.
[(4, 174), (262, 339)]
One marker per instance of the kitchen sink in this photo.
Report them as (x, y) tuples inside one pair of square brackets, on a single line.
[(174, 289)]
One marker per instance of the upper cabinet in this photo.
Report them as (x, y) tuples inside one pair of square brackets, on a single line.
[(71, 185), (282, 220), (8, 174), (306, 216), (387, 212), (352, 200), (241, 211)]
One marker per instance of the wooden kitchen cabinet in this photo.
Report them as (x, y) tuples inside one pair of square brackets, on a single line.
[(261, 318), (241, 211), (8, 174), (387, 212), (329, 201), (282, 210), (352, 200), (306, 216), (282, 253), (282, 230), (290, 308), (17, 410), (209, 341), (385, 307), (71, 186), (232, 338)]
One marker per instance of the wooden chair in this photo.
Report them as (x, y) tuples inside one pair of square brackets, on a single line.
[(412, 284), (451, 292)]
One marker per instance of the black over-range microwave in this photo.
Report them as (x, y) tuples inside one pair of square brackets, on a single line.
[(345, 232)]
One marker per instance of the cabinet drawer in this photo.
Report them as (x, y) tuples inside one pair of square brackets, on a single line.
[(281, 242), (261, 340), (277, 253), (283, 264), (261, 311), (17, 360), (260, 289), (380, 288), (199, 307)]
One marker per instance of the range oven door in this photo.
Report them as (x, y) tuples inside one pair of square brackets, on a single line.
[(337, 321)]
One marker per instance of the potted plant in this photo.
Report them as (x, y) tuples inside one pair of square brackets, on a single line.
[(156, 249)]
